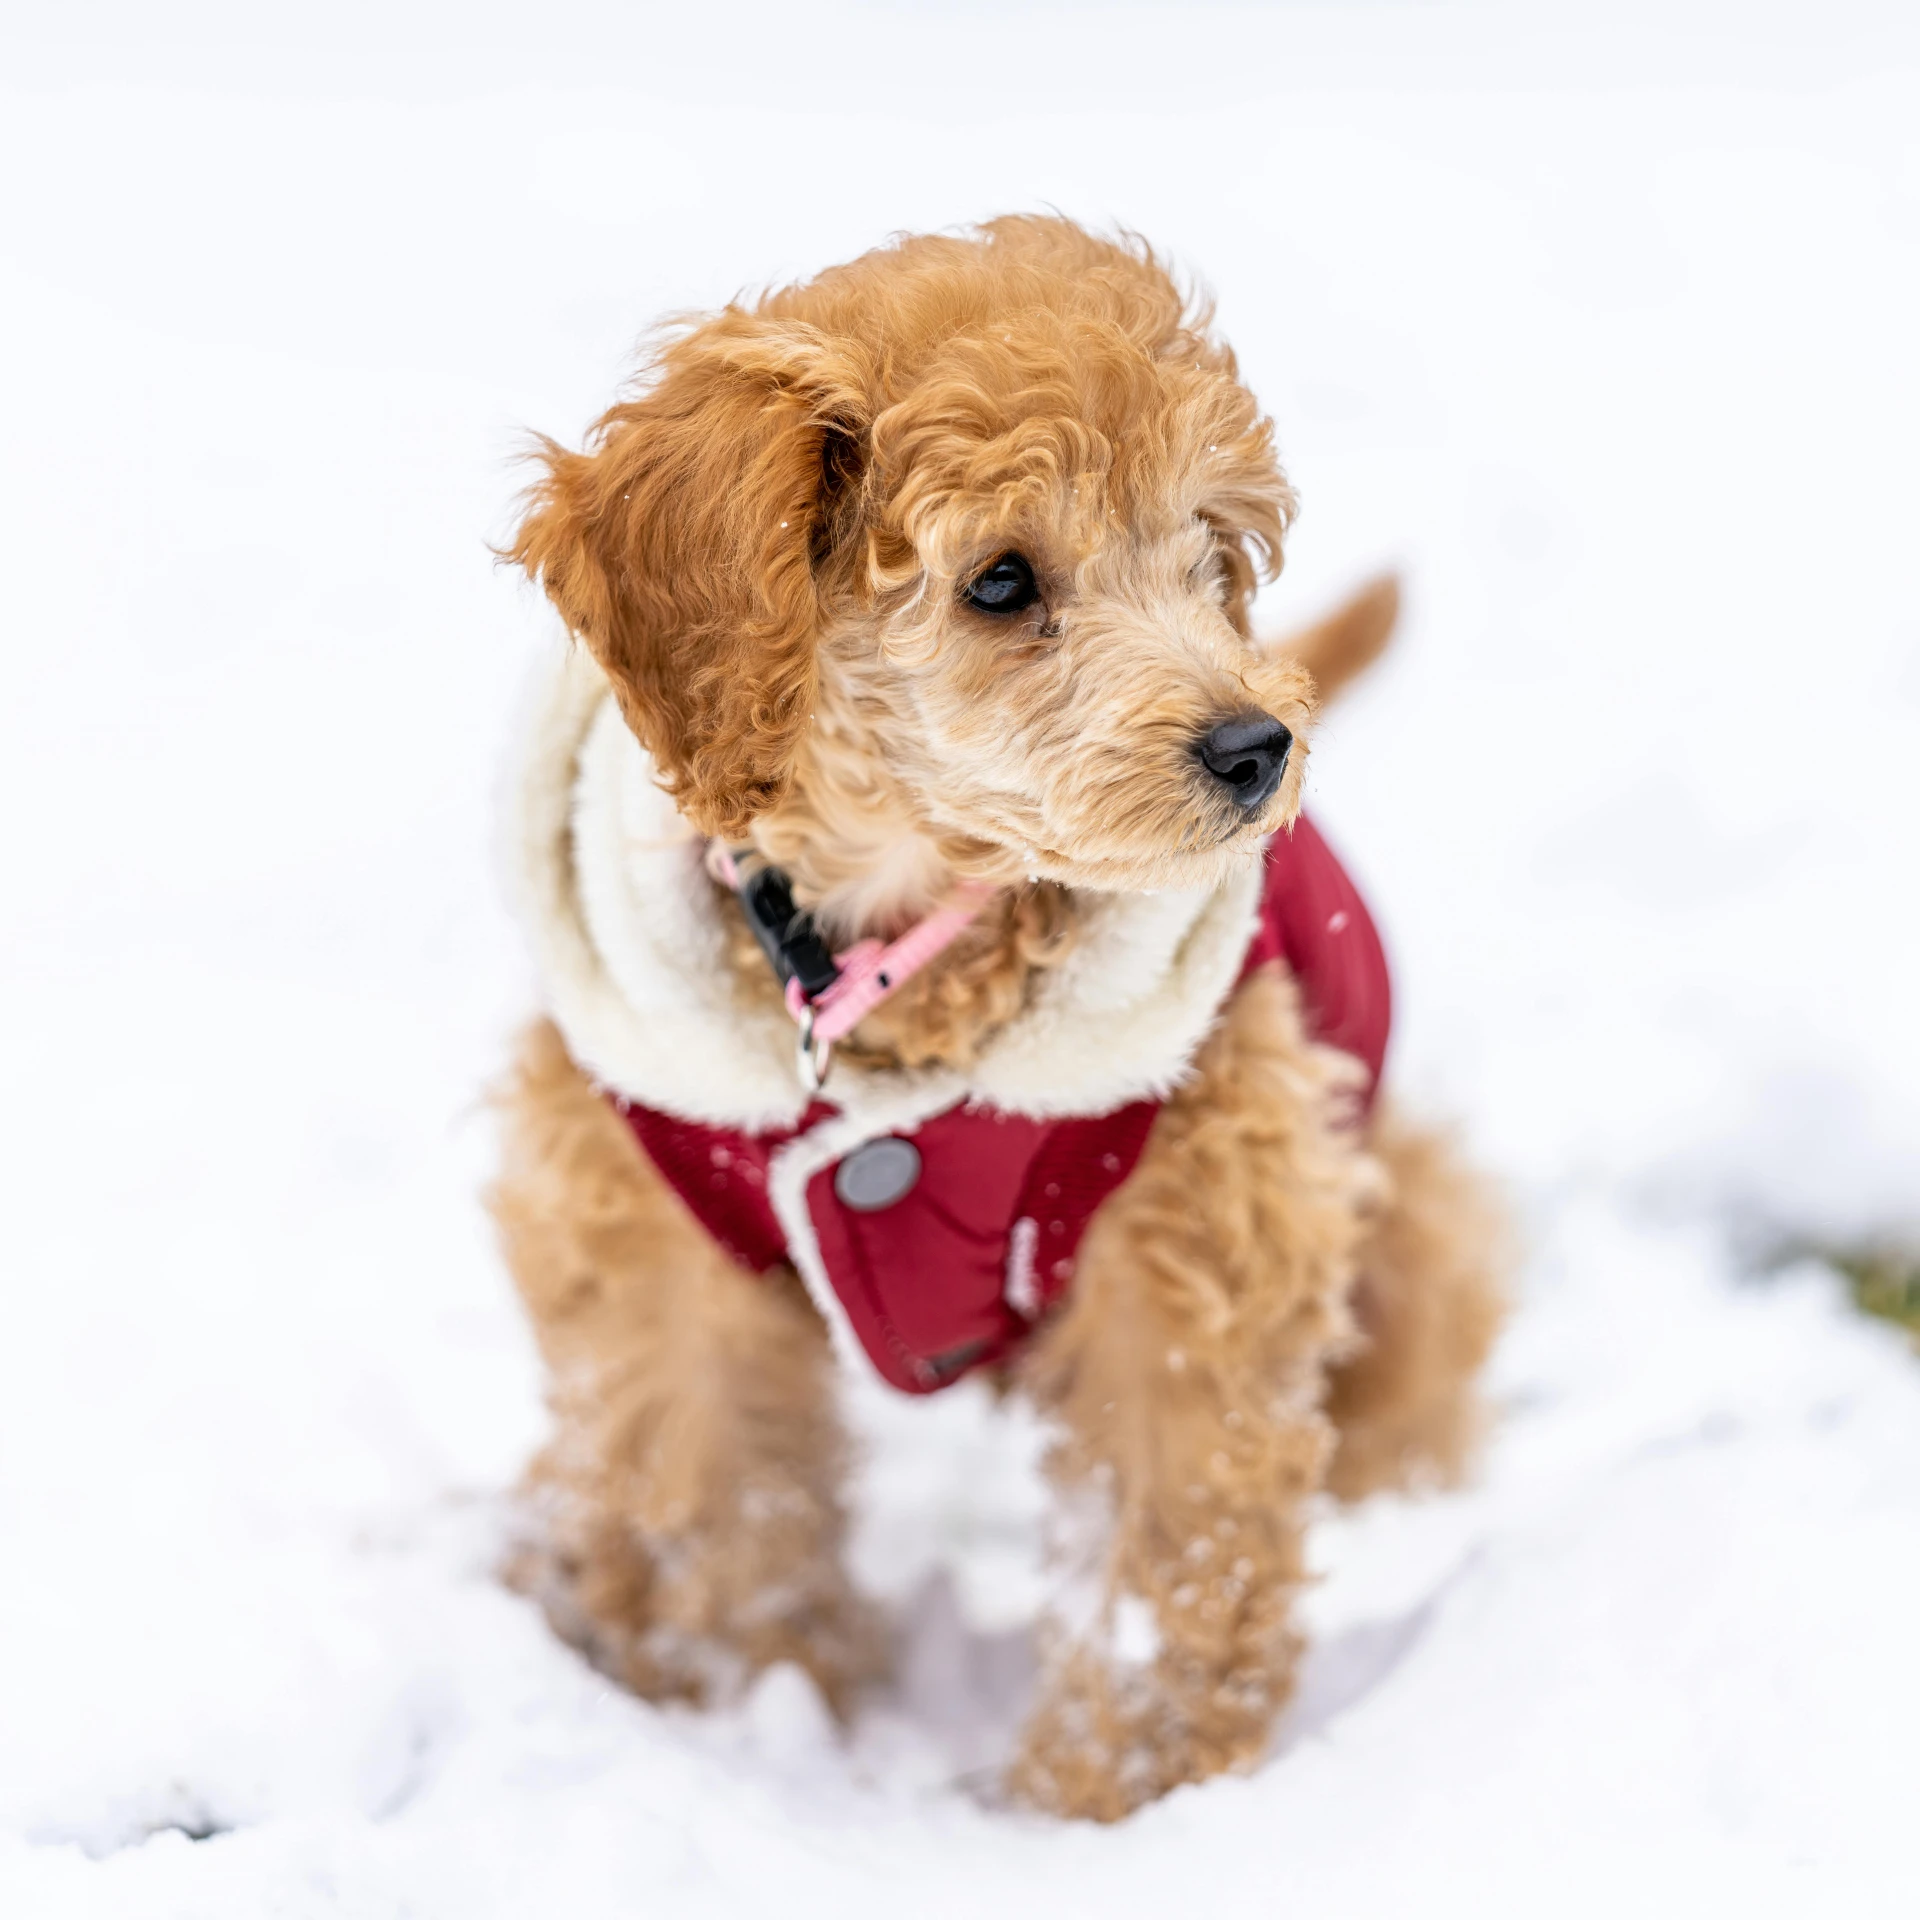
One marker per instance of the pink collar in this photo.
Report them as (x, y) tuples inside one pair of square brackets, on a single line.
[(869, 971)]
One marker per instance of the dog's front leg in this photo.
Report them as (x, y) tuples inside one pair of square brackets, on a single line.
[(1186, 1375), (688, 1509)]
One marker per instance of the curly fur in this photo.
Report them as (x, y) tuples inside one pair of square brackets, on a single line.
[(764, 548)]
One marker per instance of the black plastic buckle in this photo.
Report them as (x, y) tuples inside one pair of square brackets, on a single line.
[(787, 936)]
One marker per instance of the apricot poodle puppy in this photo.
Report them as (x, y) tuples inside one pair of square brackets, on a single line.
[(940, 975)]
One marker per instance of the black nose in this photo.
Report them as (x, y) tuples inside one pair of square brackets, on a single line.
[(1247, 755)]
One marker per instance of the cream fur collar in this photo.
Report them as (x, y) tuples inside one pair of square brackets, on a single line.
[(609, 885)]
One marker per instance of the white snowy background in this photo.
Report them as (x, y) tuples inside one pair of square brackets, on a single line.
[(1602, 322)]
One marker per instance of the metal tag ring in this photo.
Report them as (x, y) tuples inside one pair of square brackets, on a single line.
[(815, 1057)]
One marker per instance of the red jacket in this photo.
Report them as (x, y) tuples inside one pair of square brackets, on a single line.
[(944, 1252)]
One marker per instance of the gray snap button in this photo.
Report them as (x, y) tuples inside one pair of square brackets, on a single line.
[(878, 1174)]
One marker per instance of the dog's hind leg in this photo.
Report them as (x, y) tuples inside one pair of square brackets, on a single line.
[(1185, 1374), (1429, 1299), (687, 1514)]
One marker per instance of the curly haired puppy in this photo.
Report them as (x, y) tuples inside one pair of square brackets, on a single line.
[(917, 719)]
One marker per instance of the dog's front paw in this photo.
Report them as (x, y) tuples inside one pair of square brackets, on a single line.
[(695, 1620), (1107, 1738)]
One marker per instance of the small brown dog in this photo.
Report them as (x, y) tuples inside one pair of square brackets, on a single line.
[(918, 703)]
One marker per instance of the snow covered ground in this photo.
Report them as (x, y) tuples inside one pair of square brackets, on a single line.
[(1599, 321)]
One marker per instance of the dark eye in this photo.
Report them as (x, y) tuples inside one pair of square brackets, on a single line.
[(1005, 587)]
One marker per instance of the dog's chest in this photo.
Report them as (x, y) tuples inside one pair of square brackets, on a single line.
[(941, 1247), (934, 1248)]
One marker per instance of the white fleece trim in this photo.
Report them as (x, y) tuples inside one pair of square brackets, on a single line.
[(609, 886), (793, 1167)]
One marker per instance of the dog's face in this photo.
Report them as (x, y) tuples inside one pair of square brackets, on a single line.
[(1044, 641), (951, 548)]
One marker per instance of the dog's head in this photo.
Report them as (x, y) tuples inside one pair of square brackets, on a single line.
[(961, 535)]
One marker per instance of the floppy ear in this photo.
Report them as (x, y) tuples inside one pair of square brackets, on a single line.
[(680, 547)]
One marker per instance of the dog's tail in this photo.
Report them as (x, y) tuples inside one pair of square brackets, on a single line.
[(1349, 640)]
